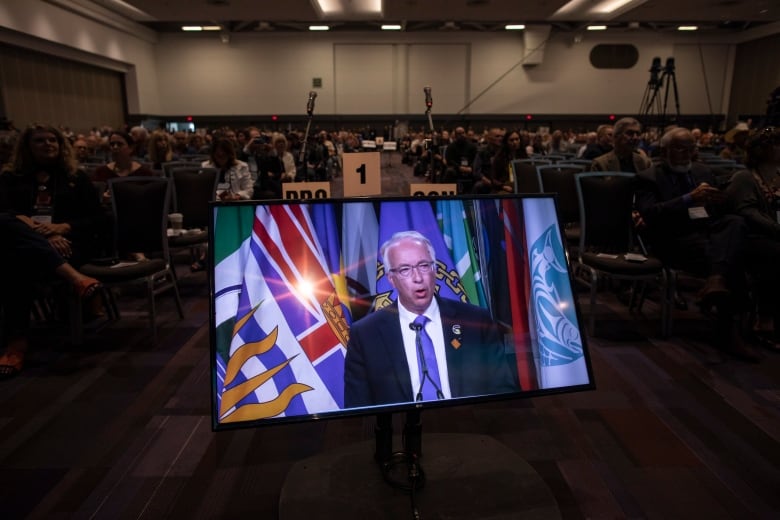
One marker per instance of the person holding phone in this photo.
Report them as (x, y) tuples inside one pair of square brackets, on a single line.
[(234, 182), (686, 224)]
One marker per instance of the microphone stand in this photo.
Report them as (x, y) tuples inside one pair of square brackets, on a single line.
[(431, 173), (423, 364), (302, 155)]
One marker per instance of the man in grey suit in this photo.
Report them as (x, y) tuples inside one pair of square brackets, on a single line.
[(386, 362)]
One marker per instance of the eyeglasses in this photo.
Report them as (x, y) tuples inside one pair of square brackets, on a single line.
[(405, 271)]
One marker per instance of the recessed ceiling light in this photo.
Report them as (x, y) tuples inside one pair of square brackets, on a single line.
[(212, 28), (597, 27), (514, 27), (391, 27), (319, 28), (191, 28), (688, 28)]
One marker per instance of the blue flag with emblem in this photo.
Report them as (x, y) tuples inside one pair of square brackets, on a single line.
[(561, 355)]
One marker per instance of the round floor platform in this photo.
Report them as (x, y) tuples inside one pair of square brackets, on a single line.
[(468, 477)]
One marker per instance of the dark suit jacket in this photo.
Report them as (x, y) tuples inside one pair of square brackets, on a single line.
[(659, 199), (376, 371), (609, 162)]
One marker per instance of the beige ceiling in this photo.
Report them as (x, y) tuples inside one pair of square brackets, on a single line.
[(247, 15)]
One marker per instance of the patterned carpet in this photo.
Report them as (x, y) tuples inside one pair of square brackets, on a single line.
[(120, 428)]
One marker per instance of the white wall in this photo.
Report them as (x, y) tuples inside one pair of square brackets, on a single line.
[(271, 73), (267, 74), (44, 27)]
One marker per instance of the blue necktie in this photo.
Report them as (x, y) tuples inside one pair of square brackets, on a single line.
[(429, 389)]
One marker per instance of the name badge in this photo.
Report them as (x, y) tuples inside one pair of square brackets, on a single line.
[(697, 212)]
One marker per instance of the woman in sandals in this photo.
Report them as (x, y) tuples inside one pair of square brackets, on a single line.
[(28, 257)]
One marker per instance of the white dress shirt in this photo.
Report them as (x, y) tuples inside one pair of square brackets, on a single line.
[(435, 331)]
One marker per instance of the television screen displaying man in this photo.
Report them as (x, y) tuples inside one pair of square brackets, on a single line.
[(423, 347)]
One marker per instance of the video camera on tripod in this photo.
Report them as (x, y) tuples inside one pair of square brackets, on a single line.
[(652, 111)]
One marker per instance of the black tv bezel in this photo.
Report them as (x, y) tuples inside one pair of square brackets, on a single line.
[(417, 406)]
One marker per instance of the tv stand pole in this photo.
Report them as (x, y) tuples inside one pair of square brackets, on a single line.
[(401, 469), (384, 438)]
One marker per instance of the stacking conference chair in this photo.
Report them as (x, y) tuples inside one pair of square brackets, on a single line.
[(559, 179), (140, 206), (524, 174), (607, 248), (582, 162), (193, 188)]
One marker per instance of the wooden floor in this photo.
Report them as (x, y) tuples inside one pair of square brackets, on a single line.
[(120, 428)]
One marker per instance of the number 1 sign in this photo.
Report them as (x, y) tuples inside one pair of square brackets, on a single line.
[(362, 175)]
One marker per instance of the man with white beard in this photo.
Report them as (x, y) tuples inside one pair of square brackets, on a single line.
[(682, 214)]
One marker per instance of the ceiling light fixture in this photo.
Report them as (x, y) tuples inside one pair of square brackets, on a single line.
[(191, 28), (514, 27), (597, 27), (391, 27), (319, 28), (595, 10), (688, 28), (212, 28), (347, 7), (610, 6)]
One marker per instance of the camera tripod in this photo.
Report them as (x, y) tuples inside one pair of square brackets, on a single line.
[(652, 111)]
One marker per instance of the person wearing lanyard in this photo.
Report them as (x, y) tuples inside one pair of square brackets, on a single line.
[(684, 219), (234, 181)]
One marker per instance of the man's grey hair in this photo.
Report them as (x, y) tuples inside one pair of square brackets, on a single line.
[(404, 235), (623, 124), (669, 136), (139, 130)]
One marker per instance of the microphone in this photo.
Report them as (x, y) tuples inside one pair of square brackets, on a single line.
[(417, 328), (310, 103), (428, 98)]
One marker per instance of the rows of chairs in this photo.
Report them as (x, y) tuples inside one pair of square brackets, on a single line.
[(594, 211), (140, 208)]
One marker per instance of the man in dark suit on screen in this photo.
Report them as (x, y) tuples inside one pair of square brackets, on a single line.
[(423, 347)]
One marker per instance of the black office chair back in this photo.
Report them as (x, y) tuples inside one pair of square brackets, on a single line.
[(606, 201), (559, 179), (193, 189), (140, 206), (524, 174)]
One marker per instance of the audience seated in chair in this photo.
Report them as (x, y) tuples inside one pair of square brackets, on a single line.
[(490, 179), (234, 181), (28, 257), (459, 160), (511, 150), (160, 150), (754, 194), (599, 144), (625, 156), (46, 190), (686, 224), (122, 162)]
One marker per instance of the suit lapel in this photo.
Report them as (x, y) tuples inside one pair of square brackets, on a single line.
[(453, 342), (393, 343)]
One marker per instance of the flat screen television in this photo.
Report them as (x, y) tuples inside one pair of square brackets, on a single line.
[(307, 321)]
